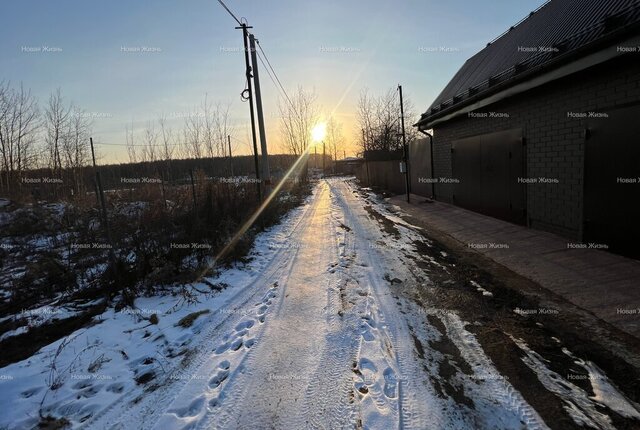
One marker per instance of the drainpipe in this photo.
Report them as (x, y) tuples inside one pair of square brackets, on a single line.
[(433, 183)]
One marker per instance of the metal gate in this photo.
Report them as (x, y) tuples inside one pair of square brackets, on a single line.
[(420, 167), (486, 169), (612, 181)]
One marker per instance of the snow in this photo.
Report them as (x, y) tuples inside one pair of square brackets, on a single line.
[(96, 367), (605, 392), (307, 335), (481, 290), (583, 409)]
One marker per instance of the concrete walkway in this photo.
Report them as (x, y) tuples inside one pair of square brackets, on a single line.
[(603, 283)]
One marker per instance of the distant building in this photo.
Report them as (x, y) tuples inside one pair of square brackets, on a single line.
[(542, 126), (348, 165)]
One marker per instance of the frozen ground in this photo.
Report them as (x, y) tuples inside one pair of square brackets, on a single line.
[(315, 332)]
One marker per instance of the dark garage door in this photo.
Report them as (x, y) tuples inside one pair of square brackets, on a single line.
[(487, 168), (612, 181)]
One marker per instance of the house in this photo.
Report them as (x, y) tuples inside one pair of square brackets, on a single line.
[(348, 165), (542, 126)]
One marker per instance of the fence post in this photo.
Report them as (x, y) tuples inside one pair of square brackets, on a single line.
[(164, 197), (193, 190), (105, 220)]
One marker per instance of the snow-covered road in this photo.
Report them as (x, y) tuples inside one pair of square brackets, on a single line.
[(321, 342), (314, 343)]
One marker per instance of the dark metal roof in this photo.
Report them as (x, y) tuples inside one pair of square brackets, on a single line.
[(556, 29)]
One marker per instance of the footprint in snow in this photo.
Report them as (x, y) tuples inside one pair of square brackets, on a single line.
[(192, 410), (366, 364), (244, 325), (31, 392), (390, 383), (117, 387), (237, 344), (218, 378)]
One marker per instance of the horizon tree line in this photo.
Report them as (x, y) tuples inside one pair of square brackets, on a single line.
[(56, 136)]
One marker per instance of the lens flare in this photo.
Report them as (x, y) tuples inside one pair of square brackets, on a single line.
[(298, 165)]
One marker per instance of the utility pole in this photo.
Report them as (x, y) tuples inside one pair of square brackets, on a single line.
[(193, 192), (230, 154), (266, 174), (404, 147), (103, 205), (366, 162), (323, 157), (245, 35)]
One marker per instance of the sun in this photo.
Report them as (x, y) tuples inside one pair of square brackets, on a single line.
[(318, 132)]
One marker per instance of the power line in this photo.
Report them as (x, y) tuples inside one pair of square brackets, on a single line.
[(274, 73), (157, 145), (279, 85), (230, 13), (272, 79)]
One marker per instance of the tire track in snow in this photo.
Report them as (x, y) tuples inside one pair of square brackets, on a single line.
[(251, 382), (484, 386), (406, 405), (319, 410), (510, 410)]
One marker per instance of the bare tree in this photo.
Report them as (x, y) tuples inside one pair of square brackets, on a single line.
[(19, 126), (208, 128), (297, 119), (214, 128), (131, 146), (75, 145), (298, 116), (150, 143), (366, 108), (334, 139), (223, 128), (194, 134), (379, 118), (166, 136), (56, 117)]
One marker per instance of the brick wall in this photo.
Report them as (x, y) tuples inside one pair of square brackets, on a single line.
[(555, 142)]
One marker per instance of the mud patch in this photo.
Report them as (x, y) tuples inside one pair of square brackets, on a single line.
[(449, 367), (555, 324), (388, 226)]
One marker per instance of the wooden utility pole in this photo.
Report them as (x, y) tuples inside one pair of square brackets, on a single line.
[(105, 219), (164, 196), (230, 154), (404, 147), (249, 97), (193, 191), (324, 153), (266, 174)]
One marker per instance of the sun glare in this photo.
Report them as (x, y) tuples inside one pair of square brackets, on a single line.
[(319, 131)]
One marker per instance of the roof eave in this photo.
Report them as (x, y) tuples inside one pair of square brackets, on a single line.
[(563, 62)]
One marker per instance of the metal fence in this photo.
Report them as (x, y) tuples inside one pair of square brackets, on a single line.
[(382, 169)]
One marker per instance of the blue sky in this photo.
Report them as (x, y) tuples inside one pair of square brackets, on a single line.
[(385, 43)]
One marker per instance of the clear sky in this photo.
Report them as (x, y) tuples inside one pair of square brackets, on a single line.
[(337, 47)]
